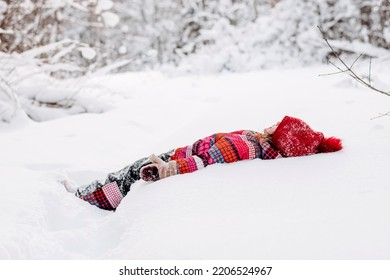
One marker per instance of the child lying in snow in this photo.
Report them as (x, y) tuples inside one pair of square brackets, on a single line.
[(290, 138)]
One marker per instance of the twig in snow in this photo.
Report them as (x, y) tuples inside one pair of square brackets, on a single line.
[(381, 115), (348, 69)]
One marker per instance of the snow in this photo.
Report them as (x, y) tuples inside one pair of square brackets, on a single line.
[(4, 31), (110, 19), (325, 206), (87, 53), (122, 49), (34, 52), (3, 7), (360, 48), (103, 5), (25, 84)]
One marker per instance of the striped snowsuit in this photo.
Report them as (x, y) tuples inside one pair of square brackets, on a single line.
[(217, 148)]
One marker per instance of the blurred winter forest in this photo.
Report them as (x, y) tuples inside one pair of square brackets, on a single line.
[(45, 44)]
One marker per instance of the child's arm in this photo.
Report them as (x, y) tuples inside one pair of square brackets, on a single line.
[(201, 146), (190, 164), (184, 160), (196, 162), (217, 148), (198, 148), (160, 169)]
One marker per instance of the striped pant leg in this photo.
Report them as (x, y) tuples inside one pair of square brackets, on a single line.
[(108, 194)]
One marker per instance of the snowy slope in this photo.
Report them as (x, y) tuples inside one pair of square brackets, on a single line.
[(327, 206)]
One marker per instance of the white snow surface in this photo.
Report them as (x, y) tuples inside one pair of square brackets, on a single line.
[(325, 206), (110, 19), (87, 53)]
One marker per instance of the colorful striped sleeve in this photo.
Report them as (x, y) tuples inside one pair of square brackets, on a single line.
[(190, 164), (222, 148), (268, 152), (199, 148)]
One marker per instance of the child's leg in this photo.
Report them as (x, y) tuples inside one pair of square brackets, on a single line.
[(108, 194)]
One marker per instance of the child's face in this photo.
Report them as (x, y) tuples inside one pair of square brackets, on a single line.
[(271, 129)]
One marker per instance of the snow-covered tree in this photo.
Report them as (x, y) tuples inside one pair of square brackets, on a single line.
[(75, 37), (155, 32)]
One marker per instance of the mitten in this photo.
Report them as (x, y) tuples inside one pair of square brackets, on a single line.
[(158, 169)]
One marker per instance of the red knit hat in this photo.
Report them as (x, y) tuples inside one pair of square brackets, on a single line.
[(293, 137)]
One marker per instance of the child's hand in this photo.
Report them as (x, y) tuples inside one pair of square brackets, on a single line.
[(159, 169)]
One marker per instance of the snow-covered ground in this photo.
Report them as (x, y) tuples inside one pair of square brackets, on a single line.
[(326, 206)]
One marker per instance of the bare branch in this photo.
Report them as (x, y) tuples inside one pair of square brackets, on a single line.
[(334, 73), (348, 69), (356, 60), (381, 115), (341, 70), (369, 72)]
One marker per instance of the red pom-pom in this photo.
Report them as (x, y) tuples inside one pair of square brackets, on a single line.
[(331, 144)]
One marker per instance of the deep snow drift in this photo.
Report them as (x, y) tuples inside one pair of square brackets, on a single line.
[(326, 206)]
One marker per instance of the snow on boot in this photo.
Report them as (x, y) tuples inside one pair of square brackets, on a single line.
[(69, 185)]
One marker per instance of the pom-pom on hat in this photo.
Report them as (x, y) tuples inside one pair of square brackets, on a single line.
[(293, 137)]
